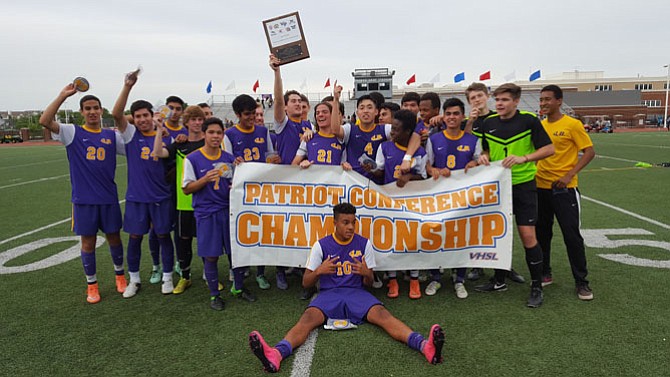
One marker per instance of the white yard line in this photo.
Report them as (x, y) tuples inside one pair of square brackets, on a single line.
[(35, 181), (616, 158), (302, 363), (30, 164), (629, 213)]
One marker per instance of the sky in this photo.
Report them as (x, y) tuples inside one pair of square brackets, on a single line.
[(182, 45)]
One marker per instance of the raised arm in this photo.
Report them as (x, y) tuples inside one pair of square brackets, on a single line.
[(279, 106), (47, 119), (117, 112), (336, 118)]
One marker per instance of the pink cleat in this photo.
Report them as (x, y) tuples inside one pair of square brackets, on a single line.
[(433, 347), (269, 356)]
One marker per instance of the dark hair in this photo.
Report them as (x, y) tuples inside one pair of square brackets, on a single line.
[(244, 102), (141, 104), (451, 102), (343, 209), (510, 88), (331, 98), (433, 98), (407, 119), (289, 93), (476, 87), (174, 99), (378, 98), (304, 98), (558, 92), (203, 105), (88, 97), (212, 120), (390, 106), (411, 96), (366, 97)]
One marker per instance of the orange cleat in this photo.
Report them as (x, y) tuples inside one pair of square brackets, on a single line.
[(121, 283), (393, 288), (414, 289), (93, 296)]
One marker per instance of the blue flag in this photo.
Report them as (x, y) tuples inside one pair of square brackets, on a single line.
[(209, 87), (534, 76), (459, 77)]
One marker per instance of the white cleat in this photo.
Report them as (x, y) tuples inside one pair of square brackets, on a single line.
[(131, 289)]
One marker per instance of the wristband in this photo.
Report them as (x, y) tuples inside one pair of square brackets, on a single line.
[(407, 158)]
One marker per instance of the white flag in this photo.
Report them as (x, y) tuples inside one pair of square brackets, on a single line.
[(435, 79), (231, 85), (511, 76)]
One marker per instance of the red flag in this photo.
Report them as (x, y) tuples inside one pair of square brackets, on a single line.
[(485, 76), (412, 79), (327, 83), (256, 85)]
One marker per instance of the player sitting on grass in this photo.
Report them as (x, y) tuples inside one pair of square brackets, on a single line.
[(343, 263)]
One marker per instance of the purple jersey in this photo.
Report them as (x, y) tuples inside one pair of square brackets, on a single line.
[(354, 250), (175, 131), (451, 152), (146, 175), (389, 158), (364, 141), (323, 149), (421, 127), (92, 157), (214, 196), (251, 145), (288, 138)]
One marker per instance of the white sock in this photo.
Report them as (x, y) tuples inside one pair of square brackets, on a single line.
[(167, 276), (91, 278), (134, 277)]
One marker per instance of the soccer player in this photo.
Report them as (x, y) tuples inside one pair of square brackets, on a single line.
[(451, 149), (91, 152), (517, 138), (389, 157), (324, 148), (429, 111), (289, 127), (557, 192), (208, 177), (176, 130), (249, 143), (343, 263), (386, 111), (304, 104), (259, 115), (207, 110), (148, 198), (410, 101)]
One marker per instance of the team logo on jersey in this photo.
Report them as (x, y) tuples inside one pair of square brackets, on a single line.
[(259, 140), (106, 141), (355, 253), (376, 137), (336, 146), (463, 148)]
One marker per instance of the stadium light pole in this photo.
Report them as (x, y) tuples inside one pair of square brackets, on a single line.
[(667, 88)]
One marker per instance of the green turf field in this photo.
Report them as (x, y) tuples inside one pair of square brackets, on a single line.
[(47, 328)]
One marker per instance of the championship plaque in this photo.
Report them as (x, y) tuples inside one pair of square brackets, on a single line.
[(286, 38)]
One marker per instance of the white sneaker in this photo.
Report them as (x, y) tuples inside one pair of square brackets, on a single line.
[(432, 288), (167, 287), (131, 289), (461, 292), (377, 282)]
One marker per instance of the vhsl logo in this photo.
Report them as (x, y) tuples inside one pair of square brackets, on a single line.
[(484, 256)]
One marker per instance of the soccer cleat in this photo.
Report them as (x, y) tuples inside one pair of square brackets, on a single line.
[(432, 288), (269, 356), (475, 274), (244, 294), (156, 277), (414, 289), (263, 283), (515, 277), (307, 293), (167, 287), (281, 280), (491, 287), (460, 290), (584, 292), (121, 283), (547, 280), (216, 303), (182, 285), (377, 282), (393, 288), (93, 294), (131, 289), (536, 298), (432, 349), (220, 287)]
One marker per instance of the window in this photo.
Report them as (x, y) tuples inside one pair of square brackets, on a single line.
[(603, 88), (652, 102), (646, 86)]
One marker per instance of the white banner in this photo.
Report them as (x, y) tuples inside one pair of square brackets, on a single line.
[(278, 212)]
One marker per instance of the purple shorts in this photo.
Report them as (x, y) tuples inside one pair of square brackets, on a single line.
[(345, 303), (88, 218), (139, 217), (213, 233)]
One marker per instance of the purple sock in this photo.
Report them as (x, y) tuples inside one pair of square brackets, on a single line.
[(154, 247), (284, 348), (212, 275), (238, 277), (167, 252), (88, 260), (415, 341), (117, 257), (134, 253), (260, 270)]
